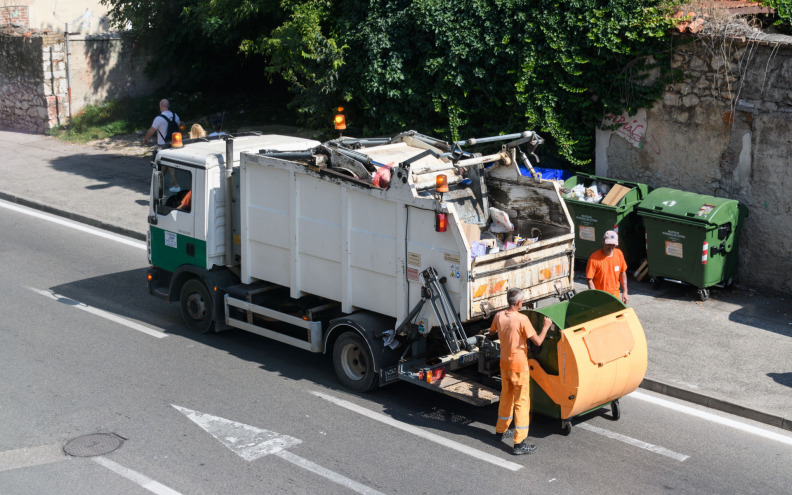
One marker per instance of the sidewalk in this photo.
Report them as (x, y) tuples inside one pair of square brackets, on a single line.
[(732, 352)]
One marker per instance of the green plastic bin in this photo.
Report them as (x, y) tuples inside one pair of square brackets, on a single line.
[(692, 238), (592, 220)]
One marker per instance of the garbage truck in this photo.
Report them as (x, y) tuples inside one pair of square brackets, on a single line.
[(391, 254)]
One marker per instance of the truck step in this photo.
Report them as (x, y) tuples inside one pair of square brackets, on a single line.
[(459, 387)]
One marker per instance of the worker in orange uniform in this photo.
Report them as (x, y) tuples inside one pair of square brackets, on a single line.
[(606, 268), (514, 329)]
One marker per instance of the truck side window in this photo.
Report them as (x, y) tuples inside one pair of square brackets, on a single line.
[(176, 196)]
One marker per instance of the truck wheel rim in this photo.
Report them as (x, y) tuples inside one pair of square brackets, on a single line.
[(353, 362), (196, 307)]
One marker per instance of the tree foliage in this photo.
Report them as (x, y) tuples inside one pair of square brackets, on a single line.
[(457, 68)]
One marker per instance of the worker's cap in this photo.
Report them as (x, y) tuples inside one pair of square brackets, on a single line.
[(611, 237)]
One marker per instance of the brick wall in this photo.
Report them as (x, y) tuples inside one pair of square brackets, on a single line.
[(19, 15)]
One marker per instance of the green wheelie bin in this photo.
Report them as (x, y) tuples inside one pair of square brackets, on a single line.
[(615, 211), (594, 354), (692, 238)]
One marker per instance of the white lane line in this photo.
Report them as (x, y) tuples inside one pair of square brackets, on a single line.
[(32, 456), (632, 441), (99, 312), (326, 473), (421, 433), (140, 479), (72, 224), (770, 435)]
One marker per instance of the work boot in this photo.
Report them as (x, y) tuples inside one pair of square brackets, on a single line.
[(523, 448), (499, 437)]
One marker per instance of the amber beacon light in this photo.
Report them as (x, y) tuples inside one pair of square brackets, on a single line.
[(340, 120), (176, 140), (441, 183)]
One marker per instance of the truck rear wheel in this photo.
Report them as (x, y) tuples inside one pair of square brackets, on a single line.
[(353, 363), (196, 306)]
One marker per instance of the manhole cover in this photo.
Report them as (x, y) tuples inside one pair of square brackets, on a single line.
[(93, 445)]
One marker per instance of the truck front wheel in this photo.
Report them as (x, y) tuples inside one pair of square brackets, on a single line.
[(353, 363), (196, 306)]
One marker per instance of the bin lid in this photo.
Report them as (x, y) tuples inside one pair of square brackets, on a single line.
[(690, 207)]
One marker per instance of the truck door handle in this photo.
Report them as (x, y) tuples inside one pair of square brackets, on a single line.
[(190, 249)]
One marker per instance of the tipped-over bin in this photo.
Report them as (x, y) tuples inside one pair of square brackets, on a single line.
[(594, 354)]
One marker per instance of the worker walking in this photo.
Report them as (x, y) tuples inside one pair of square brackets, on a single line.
[(606, 268), (514, 329)]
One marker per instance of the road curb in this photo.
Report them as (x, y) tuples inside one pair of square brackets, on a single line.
[(13, 198), (718, 404)]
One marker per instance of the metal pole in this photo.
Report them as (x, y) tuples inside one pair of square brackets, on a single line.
[(68, 73)]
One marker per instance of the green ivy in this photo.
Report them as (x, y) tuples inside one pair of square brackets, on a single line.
[(455, 68)]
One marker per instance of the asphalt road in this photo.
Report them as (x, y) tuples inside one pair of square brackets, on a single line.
[(85, 350)]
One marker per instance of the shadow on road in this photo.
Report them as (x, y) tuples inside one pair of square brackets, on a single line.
[(110, 170)]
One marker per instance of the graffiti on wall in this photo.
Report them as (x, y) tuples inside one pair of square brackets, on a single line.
[(633, 129)]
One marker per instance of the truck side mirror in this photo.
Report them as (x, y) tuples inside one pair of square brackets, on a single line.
[(158, 184)]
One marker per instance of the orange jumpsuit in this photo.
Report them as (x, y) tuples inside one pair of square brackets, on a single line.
[(514, 329)]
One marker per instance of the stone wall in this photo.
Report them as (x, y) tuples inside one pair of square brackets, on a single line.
[(724, 129), (32, 80), (34, 88)]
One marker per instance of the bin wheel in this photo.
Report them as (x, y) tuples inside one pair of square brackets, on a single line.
[(703, 294), (566, 427), (655, 281), (615, 410), (729, 284)]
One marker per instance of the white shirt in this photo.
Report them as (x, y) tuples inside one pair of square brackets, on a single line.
[(161, 125)]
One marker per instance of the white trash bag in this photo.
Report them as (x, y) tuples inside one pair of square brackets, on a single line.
[(500, 221)]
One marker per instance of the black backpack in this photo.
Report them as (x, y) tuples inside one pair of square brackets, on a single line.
[(172, 127)]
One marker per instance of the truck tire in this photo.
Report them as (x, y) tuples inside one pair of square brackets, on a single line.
[(196, 306), (353, 363)]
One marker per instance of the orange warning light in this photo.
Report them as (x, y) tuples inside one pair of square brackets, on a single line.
[(176, 140), (340, 120), (441, 183)]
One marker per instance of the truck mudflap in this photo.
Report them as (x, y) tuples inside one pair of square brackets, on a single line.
[(541, 269)]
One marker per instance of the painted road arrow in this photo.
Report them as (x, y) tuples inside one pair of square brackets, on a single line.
[(251, 443)]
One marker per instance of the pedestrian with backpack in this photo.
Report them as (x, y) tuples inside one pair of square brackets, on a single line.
[(164, 125)]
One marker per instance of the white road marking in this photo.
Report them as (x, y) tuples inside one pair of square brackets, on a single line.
[(251, 443), (72, 224), (632, 441), (421, 433), (32, 456), (770, 435), (326, 473), (99, 312), (248, 442), (140, 479)]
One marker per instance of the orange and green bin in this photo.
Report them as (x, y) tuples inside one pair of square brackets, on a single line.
[(594, 354)]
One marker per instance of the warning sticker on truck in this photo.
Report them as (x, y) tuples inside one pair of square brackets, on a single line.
[(170, 239), (586, 233), (414, 259), (673, 249), (412, 274)]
